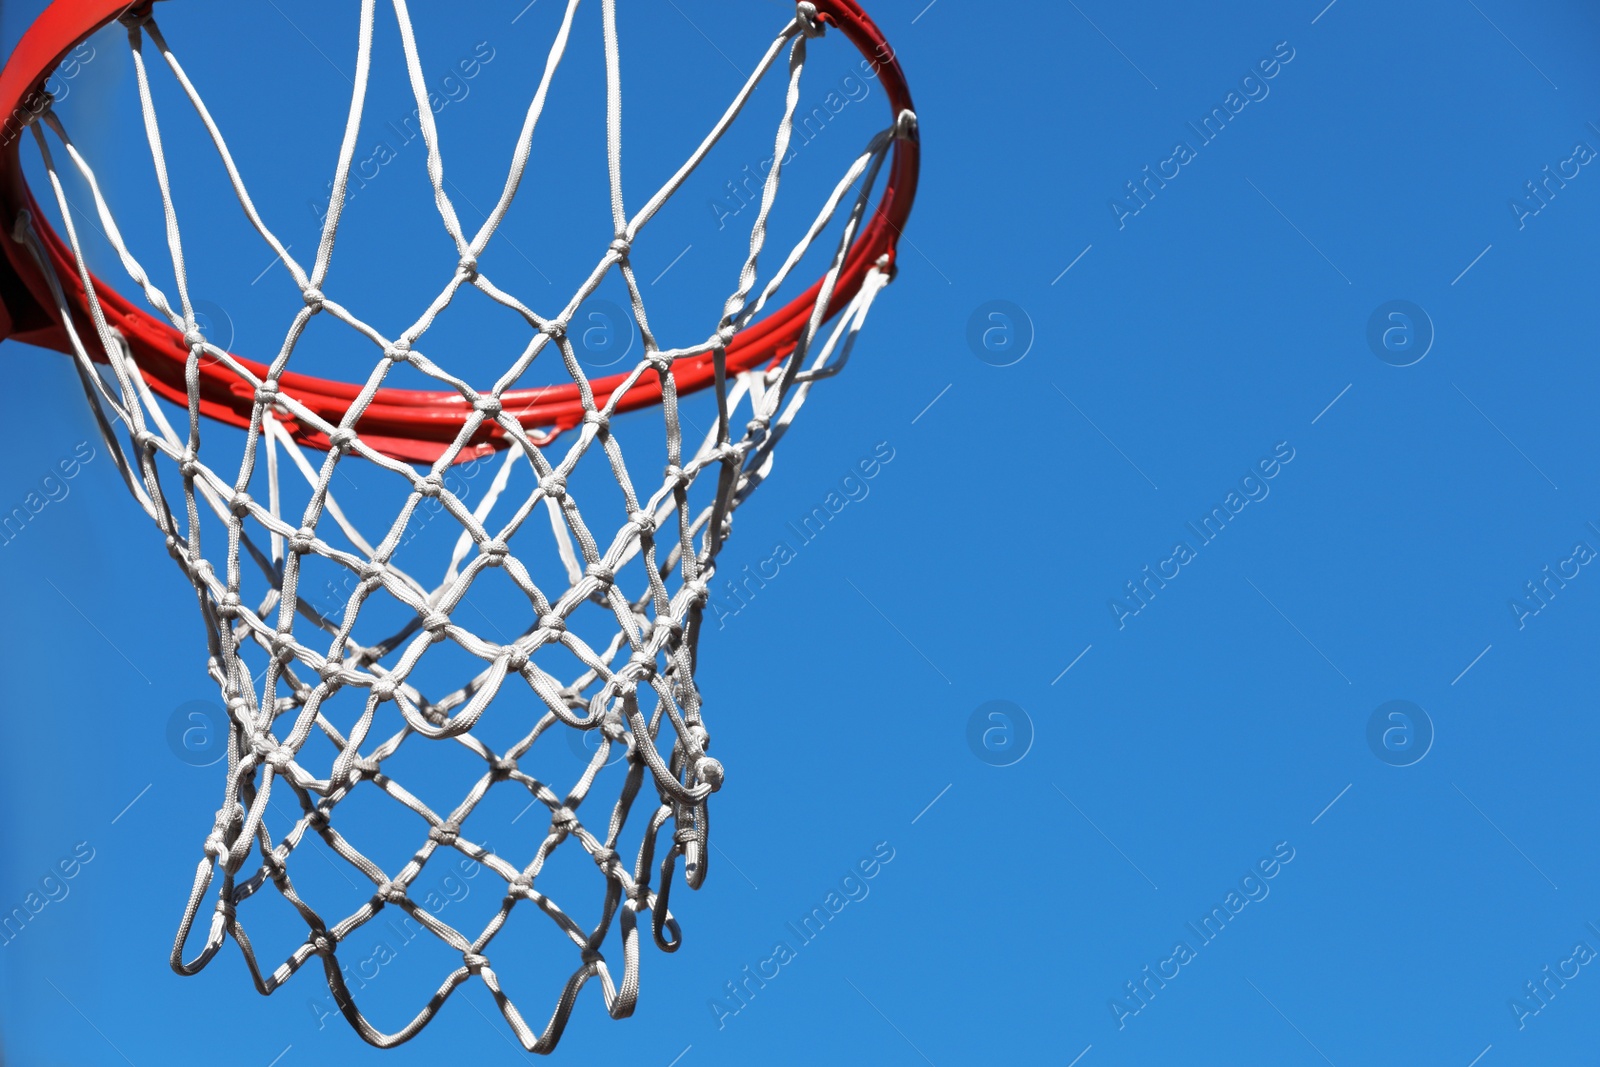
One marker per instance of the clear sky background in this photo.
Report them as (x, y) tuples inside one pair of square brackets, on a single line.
[(1067, 375)]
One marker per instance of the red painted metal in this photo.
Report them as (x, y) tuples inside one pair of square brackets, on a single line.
[(407, 424)]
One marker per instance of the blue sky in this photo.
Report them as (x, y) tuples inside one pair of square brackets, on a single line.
[(1053, 778)]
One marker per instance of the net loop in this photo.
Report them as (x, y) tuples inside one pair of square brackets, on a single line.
[(661, 920), (810, 24)]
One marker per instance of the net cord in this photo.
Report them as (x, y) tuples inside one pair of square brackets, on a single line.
[(656, 632)]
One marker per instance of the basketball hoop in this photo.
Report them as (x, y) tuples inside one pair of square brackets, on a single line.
[(412, 425), (289, 672)]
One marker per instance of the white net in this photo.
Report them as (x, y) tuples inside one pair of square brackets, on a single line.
[(319, 707)]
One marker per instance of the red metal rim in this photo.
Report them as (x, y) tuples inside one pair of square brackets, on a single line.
[(407, 424)]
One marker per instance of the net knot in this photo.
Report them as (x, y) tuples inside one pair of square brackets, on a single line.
[(317, 819), (673, 475), (600, 573), (227, 910), (475, 963), (552, 622), (659, 361), (216, 846), (489, 405), (281, 646), (228, 606), (709, 771), (684, 835), (643, 521), (240, 504), (503, 768), (516, 659), (597, 419), (341, 439), (468, 266), (494, 552), (444, 834), (276, 861), (275, 755), (313, 298), (398, 352), (431, 486), (322, 943), (554, 329), (699, 592), (384, 688), (642, 665), (554, 486), (591, 955), (392, 893), (188, 464), (193, 339), (621, 246), (302, 540), (331, 672), (604, 858), (806, 15), (267, 392), (520, 886), (434, 622), (563, 820)]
